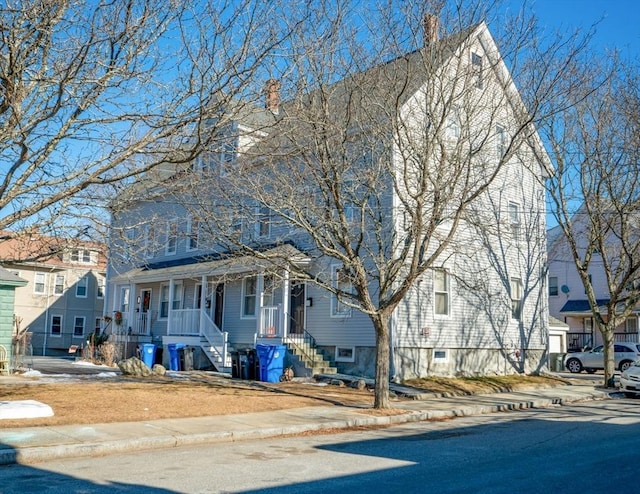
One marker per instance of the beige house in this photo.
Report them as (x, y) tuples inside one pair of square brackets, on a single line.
[(62, 303)]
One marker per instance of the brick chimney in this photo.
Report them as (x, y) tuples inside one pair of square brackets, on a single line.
[(430, 29), (272, 95)]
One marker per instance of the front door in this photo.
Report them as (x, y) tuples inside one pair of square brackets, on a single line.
[(296, 319), (144, 319)]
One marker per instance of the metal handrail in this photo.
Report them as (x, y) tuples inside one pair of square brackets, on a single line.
[(294, 340)]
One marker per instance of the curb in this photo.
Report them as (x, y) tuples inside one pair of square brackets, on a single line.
[(37, 454)]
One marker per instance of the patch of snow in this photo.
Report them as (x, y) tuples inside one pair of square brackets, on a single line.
[(106, 374), (86, 363), (24, 409), (32, 373)]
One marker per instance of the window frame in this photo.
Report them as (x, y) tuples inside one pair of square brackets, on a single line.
[(345, 358), (171, 244), (101, 287), (249, 298), (339, 309), (446, 292), (82, 282), (193, 236), (557, 284), (43, 283), (75, 326), (60, 326), (263, 217), (477, 70), (515, 220), (516, 289), (57, 285)]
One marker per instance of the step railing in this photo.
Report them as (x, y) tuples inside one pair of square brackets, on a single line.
[(304, 343), (216, 340)]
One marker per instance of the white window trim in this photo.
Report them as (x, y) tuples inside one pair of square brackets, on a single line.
[(339, 358), (172, 236), (50, 329), (149, 239), (513, 283), (84, 326), (436, 359), (243, 299), (347, 312), (101, 288), (557, 287), (191, 234), (55, 285), (44, 283), (260, 213), (86, 286), (448, 293)]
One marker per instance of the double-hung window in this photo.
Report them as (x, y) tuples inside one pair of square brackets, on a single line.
[(39, 283), (78, 326), (501, 141), (58, 288), (343, 286), (55, 329), (514, 219), (263, 221), (194, 234), (553, 286), (476, 67), (82, 287), (249, 294), (515, 287), (441, 292), (171, 246)]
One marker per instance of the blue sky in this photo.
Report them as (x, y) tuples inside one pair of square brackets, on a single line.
[(619, 25)]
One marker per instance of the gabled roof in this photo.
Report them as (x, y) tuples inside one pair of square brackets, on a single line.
[(581, 306)]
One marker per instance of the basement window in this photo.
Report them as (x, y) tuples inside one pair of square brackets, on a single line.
[(440, 356), (345, 354)]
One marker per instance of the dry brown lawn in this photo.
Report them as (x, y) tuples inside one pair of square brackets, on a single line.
[(125, 399)]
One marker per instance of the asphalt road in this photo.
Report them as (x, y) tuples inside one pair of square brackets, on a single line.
[(587, 448)]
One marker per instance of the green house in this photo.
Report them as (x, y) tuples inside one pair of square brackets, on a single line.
[(8, 283)]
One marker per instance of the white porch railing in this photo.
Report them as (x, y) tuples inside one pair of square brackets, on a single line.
[(270, 322), (184, 322), (196, 322), (142, 324)]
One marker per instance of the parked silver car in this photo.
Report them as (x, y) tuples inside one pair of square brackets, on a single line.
[(630, 380), (625, 354)]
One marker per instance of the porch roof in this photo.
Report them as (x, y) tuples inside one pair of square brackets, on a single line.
[(581, 306), (220, 265)]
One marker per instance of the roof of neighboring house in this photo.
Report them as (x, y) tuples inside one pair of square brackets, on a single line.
[(557, 324), (42, 250), (581, 306), (7, 278)]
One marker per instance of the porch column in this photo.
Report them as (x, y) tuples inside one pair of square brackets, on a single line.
[(172, 288), (133, 309), (203, 301), (259, 302), (286, 301)]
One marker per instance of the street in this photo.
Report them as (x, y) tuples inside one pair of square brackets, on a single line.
[(589, 448)]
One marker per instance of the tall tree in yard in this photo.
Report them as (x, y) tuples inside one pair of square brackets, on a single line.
[(96, 93), (392, 132), (594, 191)]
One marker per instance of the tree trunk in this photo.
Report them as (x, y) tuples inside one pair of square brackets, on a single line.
[(609, 356), (381, 325)]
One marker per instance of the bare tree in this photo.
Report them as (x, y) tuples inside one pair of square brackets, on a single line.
[(594, 192), (97, 93)]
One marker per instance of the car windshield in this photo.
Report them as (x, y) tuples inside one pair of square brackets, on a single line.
[(597, 349)]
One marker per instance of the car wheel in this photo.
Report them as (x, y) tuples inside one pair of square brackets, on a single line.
[(574, 365), (625, 364), (590, 370)]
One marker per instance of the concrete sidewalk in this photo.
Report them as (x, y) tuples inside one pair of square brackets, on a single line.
[(33, 444)]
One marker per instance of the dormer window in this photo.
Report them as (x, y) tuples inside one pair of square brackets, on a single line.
[(81, 256)]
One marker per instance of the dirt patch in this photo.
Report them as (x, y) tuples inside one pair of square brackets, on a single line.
[(122, 399)]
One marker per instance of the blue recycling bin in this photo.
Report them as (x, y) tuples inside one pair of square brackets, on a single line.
[(148, 354), (271, 359), (174, 361)]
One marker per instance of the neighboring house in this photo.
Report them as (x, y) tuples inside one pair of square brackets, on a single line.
[(9, 282), (481, 311), (568, 301), (61, 304)]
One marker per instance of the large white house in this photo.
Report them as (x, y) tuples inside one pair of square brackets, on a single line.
[(481, 309)]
